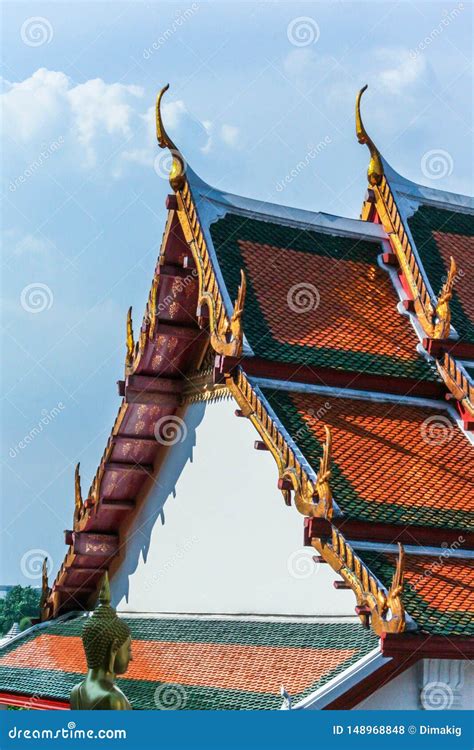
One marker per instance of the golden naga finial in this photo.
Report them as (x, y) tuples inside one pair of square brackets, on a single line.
[(78, 504), (375, 170), (130, 339), (178, 167), (442, 311), (324, 475), (236, 319)]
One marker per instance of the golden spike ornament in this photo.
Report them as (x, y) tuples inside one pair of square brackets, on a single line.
[(45, 592), (227, 337), (78, 503), (107, 644), (130, 339), (387, 609), (375, 170), (322, 484), (442, 318), (178, 165)]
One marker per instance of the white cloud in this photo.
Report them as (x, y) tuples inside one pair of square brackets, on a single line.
[(230, 135), (98, 120), (98, 107), (397, 70)]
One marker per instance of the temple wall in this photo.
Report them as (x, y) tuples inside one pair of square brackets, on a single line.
[(213, 535), (433, 684)]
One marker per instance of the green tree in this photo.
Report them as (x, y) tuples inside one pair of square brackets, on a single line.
[(20, 602)]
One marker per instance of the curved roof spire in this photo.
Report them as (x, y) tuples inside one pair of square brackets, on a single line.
[(375, 170), (178, 165)]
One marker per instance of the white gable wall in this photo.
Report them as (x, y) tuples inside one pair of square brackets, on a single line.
[(214, 535)]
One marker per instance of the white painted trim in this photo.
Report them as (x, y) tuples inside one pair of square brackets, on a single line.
[(285, 385), (344, 681), (306, 619), (39, 626), (296, 217), (427, 195), (411, 549)]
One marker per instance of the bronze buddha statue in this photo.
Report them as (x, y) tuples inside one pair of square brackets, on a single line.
[(107, 643)]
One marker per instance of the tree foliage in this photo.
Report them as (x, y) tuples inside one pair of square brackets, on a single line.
[(20, 602)]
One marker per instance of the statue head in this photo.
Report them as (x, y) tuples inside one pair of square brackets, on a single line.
[(106, 638)]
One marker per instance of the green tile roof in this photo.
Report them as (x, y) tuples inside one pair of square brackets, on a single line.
[(223, 664), (274, 330)]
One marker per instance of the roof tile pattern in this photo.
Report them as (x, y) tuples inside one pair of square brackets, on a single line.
[(194, 663), (393, 462), (438, 234), (438, 591), (317, 299)]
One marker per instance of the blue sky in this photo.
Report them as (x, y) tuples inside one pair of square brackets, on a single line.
[(255, 88)]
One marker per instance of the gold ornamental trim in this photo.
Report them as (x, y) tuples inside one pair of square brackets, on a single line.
[(226, 333), (458, 383), (434, 317)]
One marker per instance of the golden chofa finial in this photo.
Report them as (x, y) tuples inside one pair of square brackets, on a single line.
[(375, 170), (443, 311), (178, 166), (323, 486), (130, 340), (78, 504)]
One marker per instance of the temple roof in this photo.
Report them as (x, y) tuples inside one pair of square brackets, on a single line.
[(383, 450), (328, 335), (195, 663)]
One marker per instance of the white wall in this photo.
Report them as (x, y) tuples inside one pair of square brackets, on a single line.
[(404, 692), (214, 535)]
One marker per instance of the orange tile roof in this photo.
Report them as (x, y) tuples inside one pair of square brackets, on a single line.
[(393, 462)]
